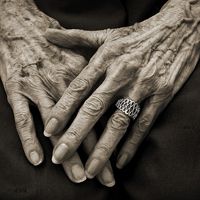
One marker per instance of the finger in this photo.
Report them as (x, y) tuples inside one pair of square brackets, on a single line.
[(112, 134), (106, 176), (77, 91), (151, 111), (25, 128), (114, 131), (140, 129), (75, 37), (155, 105), (73, 167), (88, 115), (190, 62)]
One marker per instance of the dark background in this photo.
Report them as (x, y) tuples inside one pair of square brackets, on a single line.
[(167, 165)]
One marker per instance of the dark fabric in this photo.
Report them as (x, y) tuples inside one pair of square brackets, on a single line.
[(87, 14), (166, 166)]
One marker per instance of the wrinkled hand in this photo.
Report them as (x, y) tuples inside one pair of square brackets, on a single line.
[(34, 71), (43, 82), (147, 62)]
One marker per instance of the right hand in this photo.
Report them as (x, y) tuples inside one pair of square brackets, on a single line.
[(147, 62)]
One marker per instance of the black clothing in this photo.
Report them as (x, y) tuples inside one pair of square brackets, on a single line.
[(166, 166)]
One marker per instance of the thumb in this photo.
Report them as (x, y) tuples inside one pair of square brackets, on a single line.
[(75, 37)]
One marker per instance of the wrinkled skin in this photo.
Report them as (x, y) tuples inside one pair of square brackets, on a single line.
[(148, 62), (34, 71), (43, 83)]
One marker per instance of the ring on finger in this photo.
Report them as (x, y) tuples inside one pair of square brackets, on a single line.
[(128, 107)]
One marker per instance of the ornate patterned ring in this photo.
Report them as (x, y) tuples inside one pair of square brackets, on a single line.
[(129, 107)]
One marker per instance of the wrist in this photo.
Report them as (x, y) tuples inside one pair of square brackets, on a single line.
[(22, 28), (22, 18), (184, 10), (190, 8)]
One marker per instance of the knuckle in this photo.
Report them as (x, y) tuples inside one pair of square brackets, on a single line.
[(106, 51), (22, 120), (132, 142), (93, 106), (103, 149), (109, 49), (164, 93), (136, 139), (27, 140), (8, 83), (168, 87), (78, 86), (11, 86), (73, 135), (62, 106), (54, 24), (119, 121), (132, 145), (143, 124)]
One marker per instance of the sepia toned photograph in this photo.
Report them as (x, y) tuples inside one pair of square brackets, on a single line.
[(99, 99)]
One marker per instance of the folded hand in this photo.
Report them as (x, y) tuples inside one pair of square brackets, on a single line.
[(148, 63)]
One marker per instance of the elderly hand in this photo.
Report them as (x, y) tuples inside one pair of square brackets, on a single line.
[(147, 63), (34, 71)]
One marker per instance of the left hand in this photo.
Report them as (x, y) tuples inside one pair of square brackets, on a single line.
[(148, 62), (34, 71)]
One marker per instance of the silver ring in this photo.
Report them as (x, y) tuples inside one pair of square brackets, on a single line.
[(129, 107)]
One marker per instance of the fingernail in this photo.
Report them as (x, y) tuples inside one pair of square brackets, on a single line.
[(35, 158), (78, 173), (54, 160), (47, 134), (122, 160), (107, 177), (51, 126), (92, 168), (60, 153)]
